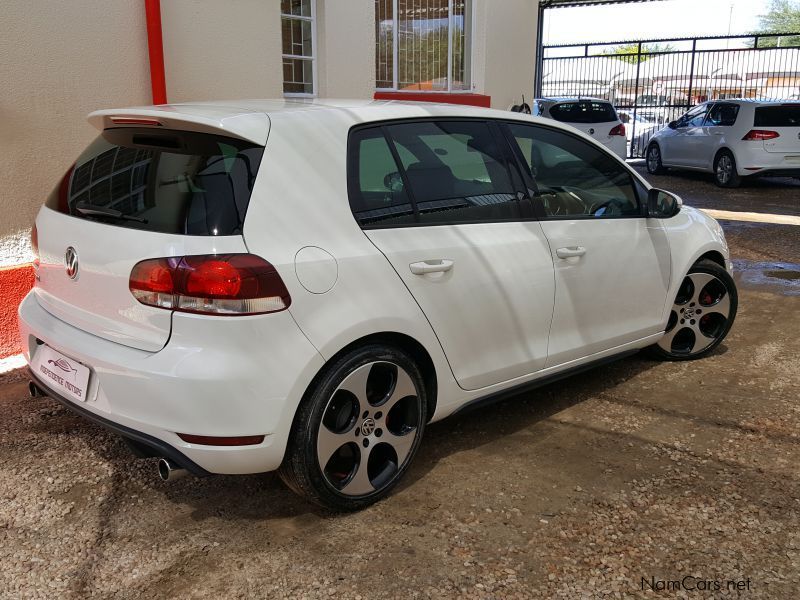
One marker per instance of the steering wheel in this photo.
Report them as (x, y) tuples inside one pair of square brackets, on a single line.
[(610, 208)]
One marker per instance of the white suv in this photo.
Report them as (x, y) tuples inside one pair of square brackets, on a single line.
[(732, 139), (247, 286)]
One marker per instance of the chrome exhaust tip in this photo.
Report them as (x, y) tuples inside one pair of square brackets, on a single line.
[(34, 390), (169, 471)]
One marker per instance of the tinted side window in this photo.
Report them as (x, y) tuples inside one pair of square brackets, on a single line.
[(377, 193), (722, 115), (575, 179), (456, 171)]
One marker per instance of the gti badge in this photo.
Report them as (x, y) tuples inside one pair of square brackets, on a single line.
[(71, 263)]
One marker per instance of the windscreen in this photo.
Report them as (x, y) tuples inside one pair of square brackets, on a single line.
[(785, 115), (166, 181), (584, 111)]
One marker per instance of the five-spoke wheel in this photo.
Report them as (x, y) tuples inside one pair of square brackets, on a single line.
[(359, 429), (702, 314)]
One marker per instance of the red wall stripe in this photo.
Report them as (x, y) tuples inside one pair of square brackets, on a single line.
[(15, 282), (155, 47)]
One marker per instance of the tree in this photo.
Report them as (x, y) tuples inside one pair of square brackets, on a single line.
[(783, 16), (630, 52)]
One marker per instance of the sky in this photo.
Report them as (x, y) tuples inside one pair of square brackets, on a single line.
[(649, 20)]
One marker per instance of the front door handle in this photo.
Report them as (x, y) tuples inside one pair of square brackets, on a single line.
[(570, 252), (431, 266)]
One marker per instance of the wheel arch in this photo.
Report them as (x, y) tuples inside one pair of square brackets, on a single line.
[(714, 256), (401, 341)]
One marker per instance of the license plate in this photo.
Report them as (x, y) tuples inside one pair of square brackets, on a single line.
[(64, 375), (792, 159)]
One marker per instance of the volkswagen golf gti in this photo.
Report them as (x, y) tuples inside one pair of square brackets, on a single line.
[(303, 286)]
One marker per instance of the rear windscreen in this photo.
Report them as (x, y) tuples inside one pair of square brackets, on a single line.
[(787, 115), (583, 112), (165, 181)]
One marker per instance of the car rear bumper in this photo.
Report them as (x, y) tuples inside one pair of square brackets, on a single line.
[(757, 161), (777, 172), (218, 376)]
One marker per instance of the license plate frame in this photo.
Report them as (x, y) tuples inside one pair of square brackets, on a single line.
[(60, 373)]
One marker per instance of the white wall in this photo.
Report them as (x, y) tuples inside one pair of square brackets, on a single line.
[(346, 48), (217, 50), (504, 49), (58, 62)]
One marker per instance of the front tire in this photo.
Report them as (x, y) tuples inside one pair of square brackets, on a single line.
[(653, 159), (725, 173), (702, 314), (357, 430)]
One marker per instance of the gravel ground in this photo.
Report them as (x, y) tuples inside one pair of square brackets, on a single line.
[(631, 476)]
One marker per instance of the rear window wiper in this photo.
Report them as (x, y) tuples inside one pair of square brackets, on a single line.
[(97, 211)]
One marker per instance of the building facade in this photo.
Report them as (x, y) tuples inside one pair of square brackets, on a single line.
[(62, 60)]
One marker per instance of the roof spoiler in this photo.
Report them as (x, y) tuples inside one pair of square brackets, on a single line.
[(249, 126)]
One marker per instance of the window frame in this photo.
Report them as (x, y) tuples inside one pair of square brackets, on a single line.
[(525, 211), (639, 189), (313, 58), (469, 28)]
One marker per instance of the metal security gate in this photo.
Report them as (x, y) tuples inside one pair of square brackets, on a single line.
[(653, 82)]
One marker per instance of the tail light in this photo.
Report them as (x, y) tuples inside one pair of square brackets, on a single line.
[(230, 284), (618, 130), (35, 246), (755, 135)]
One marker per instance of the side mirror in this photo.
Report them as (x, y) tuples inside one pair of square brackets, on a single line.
[(662, 205), (672, 124)]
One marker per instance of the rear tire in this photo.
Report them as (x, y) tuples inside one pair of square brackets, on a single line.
[(357, 430), (702, 314), (725, 174), (653, 160)]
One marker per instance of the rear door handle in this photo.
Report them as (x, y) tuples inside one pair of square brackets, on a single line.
[(570, 252), (431, 266)]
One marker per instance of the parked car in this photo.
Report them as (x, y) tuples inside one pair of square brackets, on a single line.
[(594, 117), (310, 303), (640, 126), (732, 139)]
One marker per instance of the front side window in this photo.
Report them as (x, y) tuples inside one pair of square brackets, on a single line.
[(445, 172), (298, 21), (694, 118), (722, 115), (422, 46), (573, 178)]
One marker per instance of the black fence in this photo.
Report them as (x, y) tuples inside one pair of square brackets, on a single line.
[(653, 82)]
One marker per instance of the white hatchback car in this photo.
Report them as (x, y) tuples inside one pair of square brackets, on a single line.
[(246, 286), (595, 117), (732, 139)]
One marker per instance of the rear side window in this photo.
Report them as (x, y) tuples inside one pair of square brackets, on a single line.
[(584, 111), (446, 172), (722, 115), (377, 196), (163, 181), (786, 115)]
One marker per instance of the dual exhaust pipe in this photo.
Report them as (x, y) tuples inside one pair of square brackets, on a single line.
[(167, 470)]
